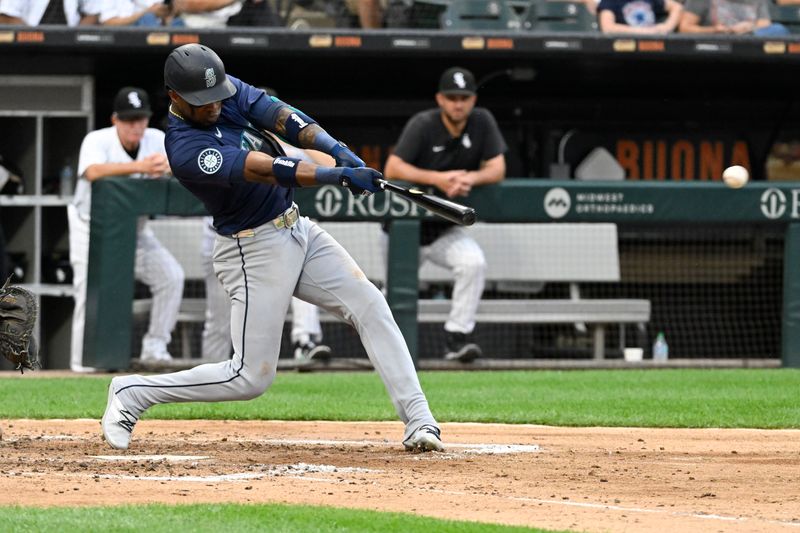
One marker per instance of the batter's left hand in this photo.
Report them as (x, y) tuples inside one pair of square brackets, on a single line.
[(361, 181), (346, 158)]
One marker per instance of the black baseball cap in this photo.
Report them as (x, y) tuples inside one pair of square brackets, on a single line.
[(132, 103), (457, 80)]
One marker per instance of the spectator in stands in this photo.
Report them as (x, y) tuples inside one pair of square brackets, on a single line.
[(306, 333), (138, 13), (257, 13), (370, 12), (207, 13), (453, 148), (414, 14), (127, 148), (643, 17), (737, 17), (39, 12)]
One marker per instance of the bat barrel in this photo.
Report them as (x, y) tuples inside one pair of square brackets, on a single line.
[(452, 211), (469, 217)]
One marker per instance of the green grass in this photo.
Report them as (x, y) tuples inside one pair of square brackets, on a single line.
[(661, 398), (238, 518)]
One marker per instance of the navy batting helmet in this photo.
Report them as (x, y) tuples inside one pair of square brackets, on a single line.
[(197, 74)]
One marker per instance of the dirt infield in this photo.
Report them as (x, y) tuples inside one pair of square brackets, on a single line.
[(585, 479)]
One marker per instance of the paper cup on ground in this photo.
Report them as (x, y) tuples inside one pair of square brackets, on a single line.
[(634, 354)]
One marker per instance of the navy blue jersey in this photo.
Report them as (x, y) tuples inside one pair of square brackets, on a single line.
[(209, 161)]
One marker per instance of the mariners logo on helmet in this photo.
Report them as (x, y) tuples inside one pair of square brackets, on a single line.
[(211, 78), (209, 160)]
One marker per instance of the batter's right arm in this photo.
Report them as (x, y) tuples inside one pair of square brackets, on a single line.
[(290, 172), (299, 129)]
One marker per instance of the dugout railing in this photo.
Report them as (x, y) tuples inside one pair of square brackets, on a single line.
[(775, 207)]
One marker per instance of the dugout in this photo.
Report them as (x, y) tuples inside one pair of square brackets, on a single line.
[(679, 108)]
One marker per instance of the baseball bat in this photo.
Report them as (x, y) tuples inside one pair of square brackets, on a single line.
[(456, 213)]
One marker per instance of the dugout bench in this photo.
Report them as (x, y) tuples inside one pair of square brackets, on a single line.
[(521, 258)]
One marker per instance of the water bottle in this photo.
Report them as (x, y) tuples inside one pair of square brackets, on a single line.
[(660, 349), (65, 181)]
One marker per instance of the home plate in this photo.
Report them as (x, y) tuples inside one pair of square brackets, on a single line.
[(170, 458), (494, 449)]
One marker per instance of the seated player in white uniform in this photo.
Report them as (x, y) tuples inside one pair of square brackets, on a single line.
[(127, 148)]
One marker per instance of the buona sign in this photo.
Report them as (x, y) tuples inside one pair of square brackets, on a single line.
[(679, 159), (671, 155)]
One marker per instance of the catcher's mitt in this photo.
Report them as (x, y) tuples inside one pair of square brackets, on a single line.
[(18, 313)]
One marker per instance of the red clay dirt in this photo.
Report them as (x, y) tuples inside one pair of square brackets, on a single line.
[(581, 479)]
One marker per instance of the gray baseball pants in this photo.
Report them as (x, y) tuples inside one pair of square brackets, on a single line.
[(216, 338), (260, 273)]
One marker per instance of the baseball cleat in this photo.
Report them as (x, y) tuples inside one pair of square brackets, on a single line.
[(148, 356), (80, 369), (117, 421), (425, 439), (154, 351), (460, 348), (310, 351)]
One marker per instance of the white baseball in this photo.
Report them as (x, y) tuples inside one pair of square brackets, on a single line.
[(735, 176)]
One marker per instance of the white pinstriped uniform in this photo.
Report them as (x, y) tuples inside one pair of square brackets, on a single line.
[(154, 265)]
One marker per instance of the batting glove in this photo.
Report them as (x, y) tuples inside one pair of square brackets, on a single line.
[(361, 181), (345, 157)]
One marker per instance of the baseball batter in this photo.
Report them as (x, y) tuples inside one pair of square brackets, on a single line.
[(265, 252), (127, 148)]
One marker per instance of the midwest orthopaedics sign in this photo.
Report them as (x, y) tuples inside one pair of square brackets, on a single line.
[(558, 202)]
